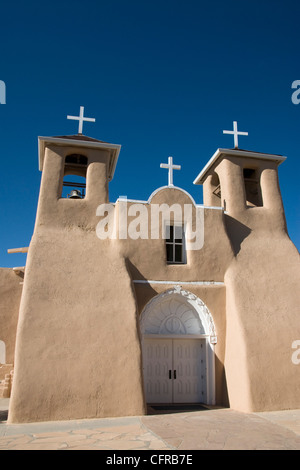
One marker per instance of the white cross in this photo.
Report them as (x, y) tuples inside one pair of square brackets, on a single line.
[(170, 167), (80, 118), (236, 133)]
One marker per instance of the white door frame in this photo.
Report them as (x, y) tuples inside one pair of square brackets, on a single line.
[(205, 329)]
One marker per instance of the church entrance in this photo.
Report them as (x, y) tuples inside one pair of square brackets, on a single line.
[(174, 370), (178, 337)]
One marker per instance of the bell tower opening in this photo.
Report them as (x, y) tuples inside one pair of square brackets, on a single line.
[(252, 187), (74, 181)]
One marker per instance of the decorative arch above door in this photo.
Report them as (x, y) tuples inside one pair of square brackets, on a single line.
[(177, 312)]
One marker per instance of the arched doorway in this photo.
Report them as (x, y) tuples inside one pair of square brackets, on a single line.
[(178, 337)]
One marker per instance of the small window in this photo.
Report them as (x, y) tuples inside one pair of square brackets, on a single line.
[(175, 244)]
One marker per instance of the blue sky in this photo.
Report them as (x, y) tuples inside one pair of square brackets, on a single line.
[(160, 77)]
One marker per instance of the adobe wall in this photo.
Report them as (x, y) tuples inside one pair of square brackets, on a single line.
[(10, 295), (262, 301), (262, 323)]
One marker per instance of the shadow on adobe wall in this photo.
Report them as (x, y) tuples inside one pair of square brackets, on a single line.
[(236, 231), (222, 398)]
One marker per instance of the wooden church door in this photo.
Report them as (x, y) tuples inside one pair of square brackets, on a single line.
[(174, 370)]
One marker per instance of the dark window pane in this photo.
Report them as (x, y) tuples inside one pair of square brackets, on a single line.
[(76, 159), (178, 253), (249, 173), (169, 252)]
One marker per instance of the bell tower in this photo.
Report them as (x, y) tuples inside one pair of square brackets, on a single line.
[(246, 185), (92, 160), (262, 301), (78, 308)]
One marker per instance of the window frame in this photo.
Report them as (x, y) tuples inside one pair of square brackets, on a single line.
[(171, 241)]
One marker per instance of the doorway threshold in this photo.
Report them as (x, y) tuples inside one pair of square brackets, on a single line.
[(153, 409)]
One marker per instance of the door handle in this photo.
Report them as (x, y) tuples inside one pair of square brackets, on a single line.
[(174, 374), (170, 374)]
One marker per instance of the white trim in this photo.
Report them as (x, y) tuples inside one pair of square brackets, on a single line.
[(236, 153), (180, 283), (135, 201)]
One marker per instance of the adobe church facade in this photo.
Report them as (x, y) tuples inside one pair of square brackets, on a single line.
[(104, 325)]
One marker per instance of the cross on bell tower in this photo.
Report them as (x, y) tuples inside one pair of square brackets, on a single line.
[(170, 167), (235, 133), (81, 118)]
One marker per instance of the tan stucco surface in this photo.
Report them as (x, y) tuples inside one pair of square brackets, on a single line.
[(10, 296)]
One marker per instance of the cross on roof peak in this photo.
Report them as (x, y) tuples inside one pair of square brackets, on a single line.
[(81, 118), (170, 167), (235, 133)]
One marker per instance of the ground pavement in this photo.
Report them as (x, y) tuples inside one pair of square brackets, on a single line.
[(161, 430)]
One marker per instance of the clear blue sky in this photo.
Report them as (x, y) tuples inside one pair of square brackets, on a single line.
[(161, 78)]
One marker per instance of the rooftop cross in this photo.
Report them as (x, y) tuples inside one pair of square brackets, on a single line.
[(236, 133), (170, 167), (80, 118)]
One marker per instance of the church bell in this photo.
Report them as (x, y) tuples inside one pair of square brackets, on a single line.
[(75, 194)]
